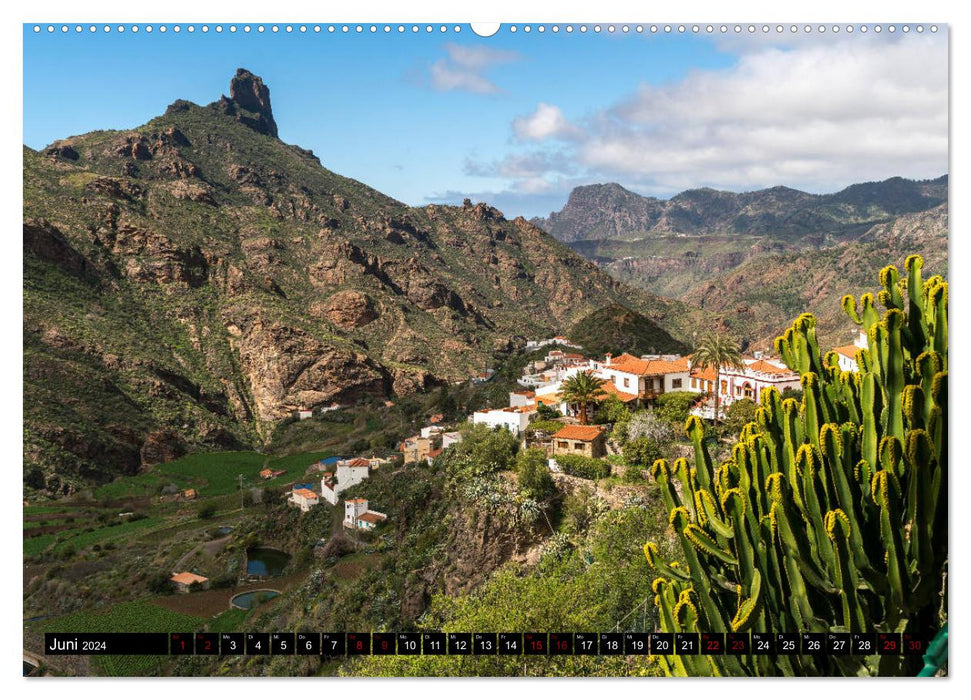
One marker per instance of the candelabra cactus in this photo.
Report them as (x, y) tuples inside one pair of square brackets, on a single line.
[(831, 514)]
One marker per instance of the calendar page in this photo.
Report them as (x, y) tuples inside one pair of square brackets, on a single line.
[(523, 349)]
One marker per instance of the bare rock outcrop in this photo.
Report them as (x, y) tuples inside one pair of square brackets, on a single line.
[(350, 309)]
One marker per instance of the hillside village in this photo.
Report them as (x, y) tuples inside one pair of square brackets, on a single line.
[(635, 382)]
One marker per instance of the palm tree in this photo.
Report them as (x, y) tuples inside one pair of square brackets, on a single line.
[(582, 389), (716, 351)]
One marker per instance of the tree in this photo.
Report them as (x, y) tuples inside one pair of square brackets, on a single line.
[(533, 475), (582, 389), (613, 410), (675, 406), (207, 511), (714, 352)]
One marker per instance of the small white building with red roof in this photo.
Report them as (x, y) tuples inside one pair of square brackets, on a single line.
[(358, 516), (304, 499)]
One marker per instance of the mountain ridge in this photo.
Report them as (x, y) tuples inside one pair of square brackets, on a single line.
[(603, 211)]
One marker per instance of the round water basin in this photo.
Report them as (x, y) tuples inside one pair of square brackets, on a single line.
[(251, 599)]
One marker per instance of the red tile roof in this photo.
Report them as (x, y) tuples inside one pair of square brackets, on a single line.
[(306, 493), (768, 368), (358, 462), (847, 351), (188, 578), (610, 388), (434, 453), (706, 373), (584, 433), (370, 517), (647, 368)]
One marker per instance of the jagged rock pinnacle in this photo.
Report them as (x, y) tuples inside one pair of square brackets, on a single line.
[(249, 102)]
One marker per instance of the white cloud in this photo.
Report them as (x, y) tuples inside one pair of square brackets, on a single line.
[(546, 122), (815, 115), (464, 68)]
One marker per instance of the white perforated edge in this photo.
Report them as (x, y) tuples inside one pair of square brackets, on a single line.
[(352, 29)]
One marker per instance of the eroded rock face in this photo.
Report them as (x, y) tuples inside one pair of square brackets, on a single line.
[(149, 257), (162, 446), (287, 368), (350, 309)]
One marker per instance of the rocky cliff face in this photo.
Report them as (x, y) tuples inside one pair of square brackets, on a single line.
[(205, 278), (764, 294)]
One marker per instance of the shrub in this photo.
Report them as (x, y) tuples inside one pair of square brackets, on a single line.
[(207, 511), (546, 426), (579, 511), (635, 474), (160, 583), (650, 424), (642, 451), (481, 452), (544, 412), (584, 467), (737, 415)]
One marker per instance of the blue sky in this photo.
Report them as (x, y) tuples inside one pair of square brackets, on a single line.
[(519, 119)]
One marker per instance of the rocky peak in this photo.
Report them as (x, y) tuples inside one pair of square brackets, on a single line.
[(249, 102)]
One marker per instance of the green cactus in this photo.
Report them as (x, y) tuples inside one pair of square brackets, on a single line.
[(831, 513)]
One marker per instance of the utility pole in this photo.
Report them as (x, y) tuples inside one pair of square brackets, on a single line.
[(240, 493)]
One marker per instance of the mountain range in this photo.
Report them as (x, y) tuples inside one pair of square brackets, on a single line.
[(757, 259)]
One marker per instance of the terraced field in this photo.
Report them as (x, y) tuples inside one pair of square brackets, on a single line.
[(210, 474), (136, 616)]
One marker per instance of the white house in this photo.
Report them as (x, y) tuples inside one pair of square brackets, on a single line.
[(847, 353), (518, 399), (512, 419), (549, 395), (430, 430), (481, 377), (557, 340), (357, 515), (350, 472), (746, 382), (305, 499), (305, 413), (452, 438), (648, 377)]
